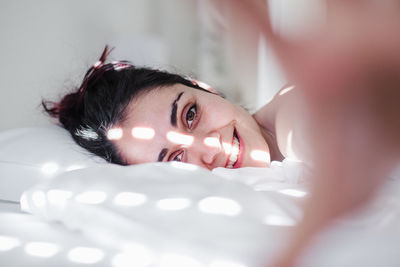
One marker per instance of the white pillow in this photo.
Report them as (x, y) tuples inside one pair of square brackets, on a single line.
[(31, 155)]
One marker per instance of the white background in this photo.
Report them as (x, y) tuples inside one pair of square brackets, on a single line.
[(46, 47)]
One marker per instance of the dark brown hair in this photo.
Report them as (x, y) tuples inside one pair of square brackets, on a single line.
[(101, 100)]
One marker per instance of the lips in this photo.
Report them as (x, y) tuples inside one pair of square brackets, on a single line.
[(236, 155), (233, 157)]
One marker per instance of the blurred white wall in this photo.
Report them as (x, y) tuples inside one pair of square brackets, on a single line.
[(291, 19), (46, 47), (237, 59)]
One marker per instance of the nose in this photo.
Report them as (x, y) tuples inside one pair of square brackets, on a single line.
[(208, 147)]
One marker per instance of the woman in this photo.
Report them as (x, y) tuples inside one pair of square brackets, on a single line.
[(130, 115), (349, 76)]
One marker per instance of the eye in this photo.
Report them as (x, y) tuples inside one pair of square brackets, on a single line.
[(191, 116), (176, 156)]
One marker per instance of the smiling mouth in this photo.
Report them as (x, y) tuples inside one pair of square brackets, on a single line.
[(233, 158)]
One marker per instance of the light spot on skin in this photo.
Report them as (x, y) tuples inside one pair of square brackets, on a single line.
[(129, 199), (176, 260), (227, 148), (293, 192), (49, 168), (220, 205), (173, 204), (8, 243), (286, 90), (204, 86), (143, 133), (85, 255), (184, 166), (180, 139), (223, 263), (114, 134), (39, 199), (58, 197), (278, 220), (289, 147), (41, 249), (91, 197), (212, 142), (259, 155)]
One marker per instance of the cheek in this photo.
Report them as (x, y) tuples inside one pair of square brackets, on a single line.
[(136, 151), (224, 110)]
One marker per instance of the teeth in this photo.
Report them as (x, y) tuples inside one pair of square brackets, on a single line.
[(234, 153)]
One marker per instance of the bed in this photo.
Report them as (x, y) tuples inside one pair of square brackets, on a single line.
[(61, 206)]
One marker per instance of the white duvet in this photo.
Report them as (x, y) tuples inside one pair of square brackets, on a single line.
[(180, 215), (175, 209)]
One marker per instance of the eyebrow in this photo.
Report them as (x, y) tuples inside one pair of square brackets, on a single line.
[(174, 108), (162, 154)]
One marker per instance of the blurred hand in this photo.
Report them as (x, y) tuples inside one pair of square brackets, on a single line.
[(350, 75)]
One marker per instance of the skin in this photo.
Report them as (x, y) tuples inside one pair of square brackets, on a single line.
[(356, 55), (348, 73), (212, 117), (284, 125)]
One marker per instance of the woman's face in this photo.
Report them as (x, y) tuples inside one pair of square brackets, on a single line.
[(185, 124)]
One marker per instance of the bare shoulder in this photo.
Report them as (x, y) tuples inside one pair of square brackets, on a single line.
[(266, 115), (285, 116)]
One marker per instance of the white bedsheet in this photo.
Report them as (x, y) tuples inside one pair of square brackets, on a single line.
[(29, 241), (171, 209), (181, 215)]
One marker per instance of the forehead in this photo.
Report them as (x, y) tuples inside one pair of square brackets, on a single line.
[(154, 106), (150, 113)]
